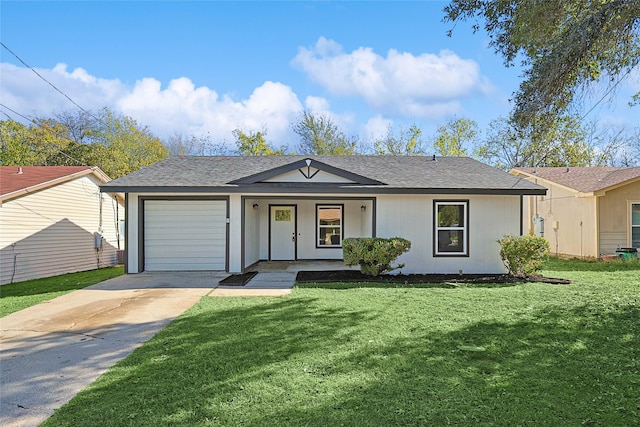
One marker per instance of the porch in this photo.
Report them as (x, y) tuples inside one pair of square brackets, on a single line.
[(279, 232)]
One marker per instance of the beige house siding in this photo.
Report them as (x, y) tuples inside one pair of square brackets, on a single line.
[(51, 232), (614, 217), (569, 220)]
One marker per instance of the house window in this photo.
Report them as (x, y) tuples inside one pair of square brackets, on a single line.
[(450, 228), (329, 230), (635, 225)]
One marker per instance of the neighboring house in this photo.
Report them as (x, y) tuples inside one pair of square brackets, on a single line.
[(587, 212), (55, 220), (228, 213)]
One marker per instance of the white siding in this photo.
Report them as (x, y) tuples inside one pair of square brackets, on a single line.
[(252, 231), (411, 217), (182, 235), (51, 231), (318, 176)]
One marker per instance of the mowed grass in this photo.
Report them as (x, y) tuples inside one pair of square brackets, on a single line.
[(18, 296), (528, 354)]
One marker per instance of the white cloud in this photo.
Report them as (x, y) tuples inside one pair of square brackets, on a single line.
[(179, 107), (317, 105), (196, 111), (23, 91), (400, 83), (377, 127)]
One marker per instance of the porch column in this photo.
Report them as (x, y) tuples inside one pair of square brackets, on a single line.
[(235, 233)]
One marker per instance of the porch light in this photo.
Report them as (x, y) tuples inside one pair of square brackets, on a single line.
[(363, 208), (255, 206)]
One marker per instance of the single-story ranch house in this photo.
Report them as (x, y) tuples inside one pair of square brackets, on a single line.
[(55, 220), (228, 213), (588, 211)]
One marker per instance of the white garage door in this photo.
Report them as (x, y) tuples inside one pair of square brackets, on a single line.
[(183, 235)]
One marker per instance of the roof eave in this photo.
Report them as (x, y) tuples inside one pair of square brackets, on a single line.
[(338, 189), (97, 172)]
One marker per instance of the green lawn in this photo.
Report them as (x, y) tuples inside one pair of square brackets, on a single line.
[(17, 296), (528, 354)]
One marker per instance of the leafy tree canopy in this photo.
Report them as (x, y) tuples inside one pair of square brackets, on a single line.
[(116, 144), (564, 45), (320, 135), (254, 144), (406, 143), (453, 137), (564, 143)]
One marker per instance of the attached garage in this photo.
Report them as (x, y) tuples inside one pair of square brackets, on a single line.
[(185, 235)]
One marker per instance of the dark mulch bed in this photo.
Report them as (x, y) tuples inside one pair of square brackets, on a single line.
[(238, 279), (356, 276)]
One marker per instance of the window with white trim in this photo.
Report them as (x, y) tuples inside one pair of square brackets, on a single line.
[(450, 228), (635, 225), (329, 226)]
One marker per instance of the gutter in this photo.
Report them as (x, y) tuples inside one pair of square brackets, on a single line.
[(34, 188)]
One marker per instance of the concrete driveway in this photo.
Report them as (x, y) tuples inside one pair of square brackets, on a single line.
[(51, 351)]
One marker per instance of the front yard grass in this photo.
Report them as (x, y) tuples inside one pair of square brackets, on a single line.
[(18, 296), (524, 354)]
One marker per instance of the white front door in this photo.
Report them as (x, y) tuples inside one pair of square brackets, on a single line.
[(282, 233)]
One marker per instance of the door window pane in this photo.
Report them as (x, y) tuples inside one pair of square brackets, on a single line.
[(283, 215)]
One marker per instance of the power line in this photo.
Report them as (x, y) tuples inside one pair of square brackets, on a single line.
[(48, 82), (45, 129), (606, 94)]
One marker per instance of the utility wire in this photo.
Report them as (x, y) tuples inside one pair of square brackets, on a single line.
[(49, 83), (607, 93), (45, 129)]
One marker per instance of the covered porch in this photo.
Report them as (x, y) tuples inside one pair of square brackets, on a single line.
[(280, 232)]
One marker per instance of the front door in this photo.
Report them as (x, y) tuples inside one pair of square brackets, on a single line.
[(282, 233)]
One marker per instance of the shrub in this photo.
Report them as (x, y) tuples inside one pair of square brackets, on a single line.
[(374, 254), (523, 255)]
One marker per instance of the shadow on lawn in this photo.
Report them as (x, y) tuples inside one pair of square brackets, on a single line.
[(296, 362), (65, 282)]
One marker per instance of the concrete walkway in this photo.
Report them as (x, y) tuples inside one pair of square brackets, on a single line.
[(264, 284), (51, 351)]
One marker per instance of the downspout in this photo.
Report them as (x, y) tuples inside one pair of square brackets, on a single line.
[(597, 225)]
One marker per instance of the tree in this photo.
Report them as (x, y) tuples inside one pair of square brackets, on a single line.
[(121, 146), (116, 144), (453, 137), (180, 145), (564, 46), (407, 143), (508, 146), (14, 145), (254, 144), (615, 145), (320, 135)]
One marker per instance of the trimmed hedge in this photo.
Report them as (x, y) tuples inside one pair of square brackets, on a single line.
[(374, 254), (523, 255)]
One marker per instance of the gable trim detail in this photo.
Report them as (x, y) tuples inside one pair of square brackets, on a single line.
[(306, 164)]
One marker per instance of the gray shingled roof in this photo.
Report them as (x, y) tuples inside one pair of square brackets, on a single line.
[(397, 173), (585, 179)]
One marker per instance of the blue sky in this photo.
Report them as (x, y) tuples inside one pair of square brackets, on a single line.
[(206, 68)]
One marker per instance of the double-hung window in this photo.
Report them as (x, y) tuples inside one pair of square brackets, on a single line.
[(451, 228), (635, 225), (329, 226)]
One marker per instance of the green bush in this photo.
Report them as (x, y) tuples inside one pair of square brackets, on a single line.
[(374, 254), (523, 255)]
